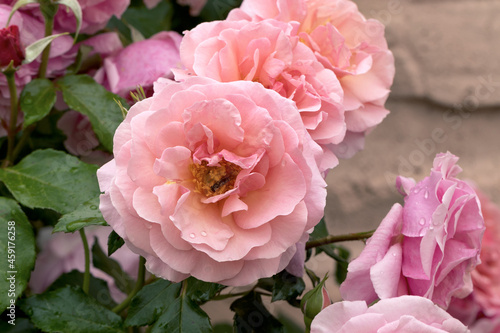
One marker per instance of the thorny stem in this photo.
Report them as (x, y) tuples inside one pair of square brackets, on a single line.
[(138, 285), (339, 238)]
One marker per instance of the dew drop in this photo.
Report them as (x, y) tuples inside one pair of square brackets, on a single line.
[(416, 190), (192, 235), (93, 207), (426, 194), (204, 234), (394, 254), (422, 221), (431, 227)]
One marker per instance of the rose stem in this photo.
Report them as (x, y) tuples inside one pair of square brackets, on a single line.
[(138, 285), (86, 275), (339, 238)]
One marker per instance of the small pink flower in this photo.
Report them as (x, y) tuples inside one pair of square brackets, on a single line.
[(344, 42), (268, 52), (140, 63), (214, 180), (398, 315), (428, 248), (63, 252)]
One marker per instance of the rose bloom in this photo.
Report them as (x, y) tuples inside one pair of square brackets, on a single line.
[(269, 53), (63, 252), (401, 314), (428, 248), (140, 63), (484, 300), (345, 42), (30, 30), (213, 180), (95, 15)]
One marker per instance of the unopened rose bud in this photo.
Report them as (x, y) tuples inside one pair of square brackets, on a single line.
[(10, 46), (314, 301)]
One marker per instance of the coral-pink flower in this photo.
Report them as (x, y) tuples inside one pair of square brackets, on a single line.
[(345, 42), (428, 248), (213, 180), (270, 52), (396, 315), (63, 252), (140, 63)]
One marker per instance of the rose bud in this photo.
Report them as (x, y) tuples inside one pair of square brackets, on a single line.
[(314, 301), (10, 46)]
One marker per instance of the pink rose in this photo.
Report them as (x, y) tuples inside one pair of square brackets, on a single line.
[(268, 52), (140, 63), (428, 248), (213, 180), (401, 314), (10, 46), (80, 138), (95, 15), (345, 42), (486, 277), (63, 252)]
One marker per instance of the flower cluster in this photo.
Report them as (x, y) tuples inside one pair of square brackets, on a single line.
[(219, 175)]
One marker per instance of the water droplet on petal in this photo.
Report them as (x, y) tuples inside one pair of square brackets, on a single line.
[(422, 221), (192, 235), (416, 190), (394, 254), (426, 194), (204, 234), (431, 227)]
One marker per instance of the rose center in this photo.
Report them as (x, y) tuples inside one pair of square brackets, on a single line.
[(214, 180)]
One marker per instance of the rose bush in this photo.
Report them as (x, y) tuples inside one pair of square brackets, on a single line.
[(268, 53), (400, 314), (427, 248), (345, 42), (213, 180)]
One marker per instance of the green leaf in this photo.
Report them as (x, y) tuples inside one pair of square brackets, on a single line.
[(287, 286), (51, 179), (218, 9), (112, 268), (320, 230), (98, 288), (69, 309), (74, 5), (22, 325), (114, 242), (84, 215), (37, 99), (200, 291), (150, 21), (17, 251), (151, 301), (252, 316), (86, 96), (32, 51), (183, 316), (341, 266)]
